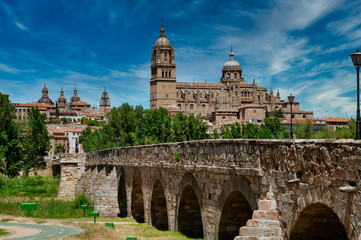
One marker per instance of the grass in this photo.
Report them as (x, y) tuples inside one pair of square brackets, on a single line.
[(3, 232), (141, 231), (35, 186), (45, 208)]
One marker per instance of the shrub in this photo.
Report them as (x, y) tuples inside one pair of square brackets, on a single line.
[(176, 156), (82, 199)]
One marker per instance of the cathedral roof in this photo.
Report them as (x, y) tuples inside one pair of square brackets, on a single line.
[(231, 62), (162, 40)]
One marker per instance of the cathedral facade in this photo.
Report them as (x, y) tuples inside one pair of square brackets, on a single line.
[(231, 99)]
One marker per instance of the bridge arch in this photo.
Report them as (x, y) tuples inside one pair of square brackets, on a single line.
[(235, 206), (320, 203), (159, 209), (137, 203), (190, 217), (122, 192), (318, 221)]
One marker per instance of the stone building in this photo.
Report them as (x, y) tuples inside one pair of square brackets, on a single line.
[(76, 104), (104, 102), (45, 97), (232, 99)]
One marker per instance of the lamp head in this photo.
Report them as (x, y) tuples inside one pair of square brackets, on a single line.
[(356, 58), (291, 98)]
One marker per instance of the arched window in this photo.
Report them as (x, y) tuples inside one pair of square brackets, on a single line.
[(191, 106), (166, 74), (235, 76), (228, 75), (179, 106), (162, 73), (169, 74), (203, 106)]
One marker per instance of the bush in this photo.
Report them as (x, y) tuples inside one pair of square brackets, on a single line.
[(82, 199), (176, 156), (2, 182)]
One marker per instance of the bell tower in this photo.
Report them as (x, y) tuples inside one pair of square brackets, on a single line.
[(163, 79)]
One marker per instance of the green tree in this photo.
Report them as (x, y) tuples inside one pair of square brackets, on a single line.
[(249, 131), (304, 130), (11, 140), (278, 113), (216, 134), (37, 141)]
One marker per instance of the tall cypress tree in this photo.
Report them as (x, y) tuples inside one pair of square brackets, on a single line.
[(11, 141), (38, 142)]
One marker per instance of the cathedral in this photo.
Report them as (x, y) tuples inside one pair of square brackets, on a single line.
[(75, 103), (232, 99)]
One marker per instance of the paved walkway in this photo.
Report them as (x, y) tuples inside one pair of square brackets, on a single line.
[(38, 232)]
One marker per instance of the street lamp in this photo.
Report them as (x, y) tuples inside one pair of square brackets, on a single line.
[(356, 59), (290, 99), (143, 128)]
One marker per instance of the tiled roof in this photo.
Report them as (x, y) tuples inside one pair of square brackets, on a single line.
[(79, 103), (251, 106), (56, 130), (199, 84), (337, 120), (39, 105)]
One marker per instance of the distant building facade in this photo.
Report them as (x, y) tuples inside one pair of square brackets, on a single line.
[(230, 100)]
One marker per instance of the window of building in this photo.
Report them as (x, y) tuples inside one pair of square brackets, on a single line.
[(203, 106), (162, 73), (166, 74), (179, 106), (167, 95), (235, 76), (191, 106), (169, 74), (228, 75)]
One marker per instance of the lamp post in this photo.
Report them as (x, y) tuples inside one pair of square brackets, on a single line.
[(143, 128), (290, 99), (356, 60)]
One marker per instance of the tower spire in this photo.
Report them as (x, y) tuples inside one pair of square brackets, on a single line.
[(162, 32)]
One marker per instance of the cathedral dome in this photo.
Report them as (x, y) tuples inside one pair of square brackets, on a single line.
[(45, 98), (231, 62), (162, 40)]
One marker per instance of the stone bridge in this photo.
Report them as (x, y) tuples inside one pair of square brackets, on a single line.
[(226, 189)]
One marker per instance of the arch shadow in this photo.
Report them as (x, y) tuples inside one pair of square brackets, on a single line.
[(235, 206), (159, 203), (189, 215), (122, 193), (318, 221), (137, 205)]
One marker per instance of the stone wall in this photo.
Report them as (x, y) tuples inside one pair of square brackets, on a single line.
[(72, 167), (280, 180)]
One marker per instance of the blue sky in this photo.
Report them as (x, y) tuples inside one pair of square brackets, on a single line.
[(299, 47)]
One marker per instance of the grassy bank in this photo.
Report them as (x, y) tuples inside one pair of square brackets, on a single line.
[(45, 208), (141, 231), (36, 186)]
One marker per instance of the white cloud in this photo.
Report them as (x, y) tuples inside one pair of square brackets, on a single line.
[(21, 26)]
